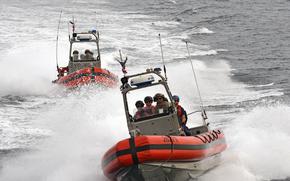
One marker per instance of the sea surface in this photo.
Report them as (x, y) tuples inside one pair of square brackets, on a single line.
[(240, 51)]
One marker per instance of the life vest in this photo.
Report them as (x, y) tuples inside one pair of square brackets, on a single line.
[(62, 70), (163, 105), (140, 114), (149, 110), (180, 113)]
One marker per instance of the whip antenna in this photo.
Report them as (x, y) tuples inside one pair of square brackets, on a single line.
[(164, 68), (96, 19), (56, 47), (203, 113)]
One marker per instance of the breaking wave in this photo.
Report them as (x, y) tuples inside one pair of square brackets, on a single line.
[(258, 146)]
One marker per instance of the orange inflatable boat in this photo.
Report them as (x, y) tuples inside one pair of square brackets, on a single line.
[(148, 149), (161, 146), (85, 64), (89, 75)]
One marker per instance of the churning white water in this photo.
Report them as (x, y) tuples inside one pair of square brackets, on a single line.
[(49, 133)]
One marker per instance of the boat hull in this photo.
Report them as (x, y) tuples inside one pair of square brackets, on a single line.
[(169, 171), (139, 150), (90, 75)]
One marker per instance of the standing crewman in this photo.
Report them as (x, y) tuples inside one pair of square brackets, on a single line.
[(182, 116)]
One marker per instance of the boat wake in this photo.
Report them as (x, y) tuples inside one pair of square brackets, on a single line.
[(258, 146), (80, 126)]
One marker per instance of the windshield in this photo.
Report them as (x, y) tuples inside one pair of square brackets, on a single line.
[(148, 102), (84, 51)]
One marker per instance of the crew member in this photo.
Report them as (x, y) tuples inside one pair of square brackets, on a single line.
[(89, 55), (149, 108), (162, 104), (75, 55), (61, 71), (182, 116), (140, 111)]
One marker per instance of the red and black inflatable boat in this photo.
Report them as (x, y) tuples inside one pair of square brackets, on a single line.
[(84, 76), (157, 148), (161, 149), (84, 65)]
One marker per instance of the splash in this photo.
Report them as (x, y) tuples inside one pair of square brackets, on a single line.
[(259, 144), (215, 84), (83, 128), (28, 71)]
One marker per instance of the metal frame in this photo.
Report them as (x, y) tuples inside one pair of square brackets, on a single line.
[(73, 40), (125, 88), (79, 64)]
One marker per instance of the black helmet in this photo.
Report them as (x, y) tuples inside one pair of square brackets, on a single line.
[(148, 99), (175, 98), (139, 104), (87, 51), (75, 52)]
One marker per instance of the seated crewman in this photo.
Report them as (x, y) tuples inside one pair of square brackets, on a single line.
[(162, 104), (140, 111), (75, 55), (149, 108), (89, 55)]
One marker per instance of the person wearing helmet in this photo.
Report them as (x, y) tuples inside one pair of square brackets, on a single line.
[(182, 115), (149, 108), (140, 111), (162, 104), (75, 55), (88, 55)]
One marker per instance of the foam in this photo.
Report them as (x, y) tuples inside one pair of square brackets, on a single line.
[(28, 71), (259, 144), (215, 84), (82, 130)]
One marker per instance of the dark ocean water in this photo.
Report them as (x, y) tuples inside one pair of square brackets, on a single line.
[(240, 50), (256, 34)]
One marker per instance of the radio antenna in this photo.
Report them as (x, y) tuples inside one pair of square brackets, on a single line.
[(203, 113), (56, 46), (164, 68)]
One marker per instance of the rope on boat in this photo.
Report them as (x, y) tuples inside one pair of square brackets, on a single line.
[(208, 138)]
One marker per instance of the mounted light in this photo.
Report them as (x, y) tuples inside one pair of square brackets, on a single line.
[(84, 37), (142, 80)]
